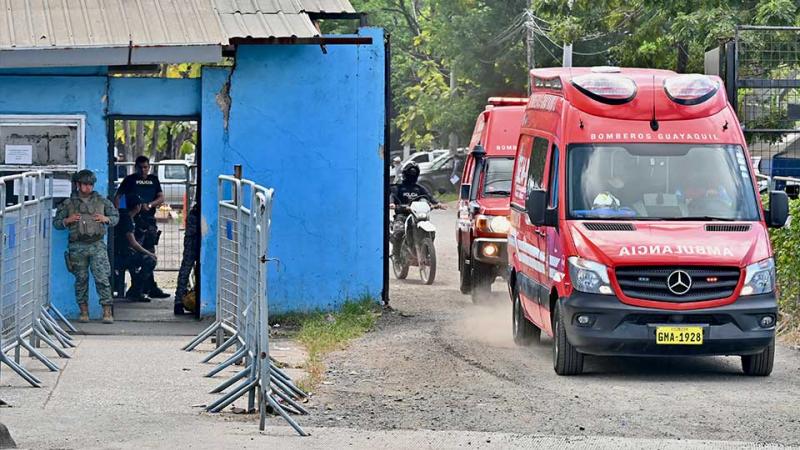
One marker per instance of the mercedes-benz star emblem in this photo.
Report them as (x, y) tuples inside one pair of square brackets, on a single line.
[(679, 282)]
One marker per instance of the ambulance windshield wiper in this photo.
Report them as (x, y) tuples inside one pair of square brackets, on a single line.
[(702, 218), (503, 193)]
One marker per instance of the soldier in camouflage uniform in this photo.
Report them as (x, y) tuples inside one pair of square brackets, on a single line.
[(86, 215), (189, 256)]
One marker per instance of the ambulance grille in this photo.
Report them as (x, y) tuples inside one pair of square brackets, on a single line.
[(608, 226), (730, 227), (650, 282)]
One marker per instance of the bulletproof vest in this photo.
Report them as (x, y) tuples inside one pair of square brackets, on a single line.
[(86, 229)]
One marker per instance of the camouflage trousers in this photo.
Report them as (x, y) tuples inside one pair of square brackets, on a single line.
[(83, 257), (187, 264)]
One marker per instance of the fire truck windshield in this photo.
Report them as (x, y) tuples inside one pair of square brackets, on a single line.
[(498, 177), (660, 182)]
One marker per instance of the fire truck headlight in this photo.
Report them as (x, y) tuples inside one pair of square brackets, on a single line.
[(589, 276), (493, 224), (759, 278)]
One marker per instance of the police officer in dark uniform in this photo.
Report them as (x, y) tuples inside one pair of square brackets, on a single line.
[(148, 188), (401, 196), (129, 254)]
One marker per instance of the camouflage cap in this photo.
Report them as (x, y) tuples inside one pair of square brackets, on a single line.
[(85, 176)]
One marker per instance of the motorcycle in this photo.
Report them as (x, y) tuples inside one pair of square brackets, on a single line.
[(416, 242)]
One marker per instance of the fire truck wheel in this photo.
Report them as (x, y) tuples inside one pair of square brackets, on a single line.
[(464, 275), (482, 278), (759, 365), (566, 360)]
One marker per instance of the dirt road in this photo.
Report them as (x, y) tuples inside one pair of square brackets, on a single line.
[(437, 362)]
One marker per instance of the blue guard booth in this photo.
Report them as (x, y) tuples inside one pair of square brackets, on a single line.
[(301, 112)]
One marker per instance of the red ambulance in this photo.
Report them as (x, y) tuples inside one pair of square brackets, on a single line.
[(636, 227), (483, 201)]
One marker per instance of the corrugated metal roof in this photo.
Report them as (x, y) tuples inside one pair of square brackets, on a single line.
[(42, 24), (327, 6), (69, 24), (260, 19)]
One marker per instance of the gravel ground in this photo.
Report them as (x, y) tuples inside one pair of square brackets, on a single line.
[(437, 362)]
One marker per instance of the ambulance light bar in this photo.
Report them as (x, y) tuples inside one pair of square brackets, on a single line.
[(690, 89), (608, 89)]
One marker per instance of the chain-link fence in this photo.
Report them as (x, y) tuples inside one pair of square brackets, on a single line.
[(241, 324), (25, 258), (767, 96)]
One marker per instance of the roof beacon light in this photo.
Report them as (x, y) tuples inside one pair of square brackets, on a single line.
[(608, 89), (690, 89), (507, 101)]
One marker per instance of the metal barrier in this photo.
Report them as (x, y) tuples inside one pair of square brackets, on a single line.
[(25, 258), (245, 211)]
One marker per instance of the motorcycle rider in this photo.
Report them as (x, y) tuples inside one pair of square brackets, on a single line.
[(402, 195)]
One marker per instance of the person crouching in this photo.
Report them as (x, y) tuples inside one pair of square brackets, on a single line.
[(130, 255)]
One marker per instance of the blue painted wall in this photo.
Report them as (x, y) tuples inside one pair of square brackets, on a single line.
[(310, 125), (85, 95)]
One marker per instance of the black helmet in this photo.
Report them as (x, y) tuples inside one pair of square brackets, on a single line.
[(85, 176), (410, 173)]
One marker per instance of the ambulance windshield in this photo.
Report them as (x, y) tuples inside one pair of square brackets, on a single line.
[(497, 182), (660, 182)]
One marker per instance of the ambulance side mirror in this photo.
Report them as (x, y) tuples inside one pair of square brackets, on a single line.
[(778, 209), (536, 206)]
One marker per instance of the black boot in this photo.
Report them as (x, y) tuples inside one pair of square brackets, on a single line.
[(156, 292)]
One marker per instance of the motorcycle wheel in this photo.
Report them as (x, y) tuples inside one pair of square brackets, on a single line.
[(400, 267), (426, 256)]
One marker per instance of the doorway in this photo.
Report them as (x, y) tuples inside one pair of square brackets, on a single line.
[(172, 145)]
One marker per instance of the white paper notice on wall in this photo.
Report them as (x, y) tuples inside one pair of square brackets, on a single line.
[(19, 154), (62, 188)]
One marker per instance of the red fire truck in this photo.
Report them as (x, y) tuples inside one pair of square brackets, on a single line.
[(483, 201), (636, 227)]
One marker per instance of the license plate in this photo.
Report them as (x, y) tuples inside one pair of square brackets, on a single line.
[(679, 335)]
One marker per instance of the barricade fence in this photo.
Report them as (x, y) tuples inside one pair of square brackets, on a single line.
[(27, 318), (242, 306)]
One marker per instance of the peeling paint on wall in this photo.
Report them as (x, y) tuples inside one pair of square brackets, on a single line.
[(224, 103)]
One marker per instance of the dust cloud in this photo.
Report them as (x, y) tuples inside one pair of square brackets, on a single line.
[(488, 322)]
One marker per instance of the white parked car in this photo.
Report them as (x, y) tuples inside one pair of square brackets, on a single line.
[(425, 159)]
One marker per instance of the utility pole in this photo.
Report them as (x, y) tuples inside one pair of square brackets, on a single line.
[(453, 137), (529, 42), (566, 56)]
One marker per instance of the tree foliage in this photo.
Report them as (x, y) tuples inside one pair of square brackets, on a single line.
[(482, 45)]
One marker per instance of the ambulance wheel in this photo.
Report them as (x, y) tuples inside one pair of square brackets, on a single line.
[(759, 365), (482, 278), (566, 360), (464, 274), (524, 332), (426, 255)]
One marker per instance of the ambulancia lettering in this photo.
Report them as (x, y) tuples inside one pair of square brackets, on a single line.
[(647, 250)]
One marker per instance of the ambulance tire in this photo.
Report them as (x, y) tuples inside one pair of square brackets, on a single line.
[(566, 360), (759, 365), (525, 333), (482, 279), (464, 274)]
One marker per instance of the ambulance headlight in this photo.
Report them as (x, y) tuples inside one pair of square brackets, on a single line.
[(589, 276), (493, 224), (759, 278)]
